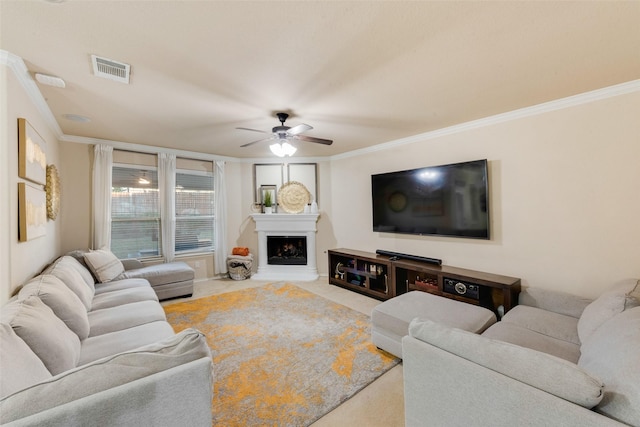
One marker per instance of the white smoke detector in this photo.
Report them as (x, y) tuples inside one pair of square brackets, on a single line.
[(48, 80), (110, 69)]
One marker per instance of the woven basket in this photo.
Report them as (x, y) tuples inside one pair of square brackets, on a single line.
[(239, 267)]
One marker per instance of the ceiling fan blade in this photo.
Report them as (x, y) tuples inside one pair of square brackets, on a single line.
[(299, 129), (316, 140), (253, 130), (255, 142)]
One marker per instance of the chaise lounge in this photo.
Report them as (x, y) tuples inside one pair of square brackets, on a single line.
[(555, 359)]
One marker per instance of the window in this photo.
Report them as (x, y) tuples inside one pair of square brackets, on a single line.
[(135, 206), (194, 211), (135, 212)]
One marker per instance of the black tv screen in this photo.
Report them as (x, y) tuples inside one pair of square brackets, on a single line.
[(446, 200)]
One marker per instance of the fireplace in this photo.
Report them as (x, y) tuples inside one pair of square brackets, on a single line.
[(287, 250), (286, 246)]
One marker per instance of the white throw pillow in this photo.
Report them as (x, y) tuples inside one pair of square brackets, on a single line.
[(21, 367), (622, 296), (58, 297), (104, 264), (49, 338), (612, 353)]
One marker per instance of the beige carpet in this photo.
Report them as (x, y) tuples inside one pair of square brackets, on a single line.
[(379, 404)]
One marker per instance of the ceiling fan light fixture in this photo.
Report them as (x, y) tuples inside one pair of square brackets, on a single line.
[(143, 179), (282, 150)]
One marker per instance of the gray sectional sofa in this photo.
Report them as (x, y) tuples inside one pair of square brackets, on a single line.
[(75, 353), (555, 359), (168, 280)]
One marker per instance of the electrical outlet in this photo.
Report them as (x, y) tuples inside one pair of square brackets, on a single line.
[(197, 264)]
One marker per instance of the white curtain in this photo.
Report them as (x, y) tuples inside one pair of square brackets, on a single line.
[(102, 164), (167, 193), (220, 226)]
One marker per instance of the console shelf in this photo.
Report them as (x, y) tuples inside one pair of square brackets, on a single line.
[(383, 278), (369, 274)]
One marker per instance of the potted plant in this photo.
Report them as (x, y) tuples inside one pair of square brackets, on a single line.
[(268, 203)]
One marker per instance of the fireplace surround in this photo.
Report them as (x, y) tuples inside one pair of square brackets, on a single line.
[(292, 240)]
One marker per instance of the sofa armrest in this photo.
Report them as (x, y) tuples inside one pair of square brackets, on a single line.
[(168, 398), (557, 302), (160, 378), (447, 389), (131, 264), (543, 371)]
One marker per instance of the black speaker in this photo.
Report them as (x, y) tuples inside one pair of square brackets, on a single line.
[(461, 288), (398, 255)]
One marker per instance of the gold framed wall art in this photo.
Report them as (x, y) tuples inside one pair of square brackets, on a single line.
[(32, 153), (32, 212)]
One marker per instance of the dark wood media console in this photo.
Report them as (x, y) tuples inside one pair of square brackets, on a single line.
[(382, 277)]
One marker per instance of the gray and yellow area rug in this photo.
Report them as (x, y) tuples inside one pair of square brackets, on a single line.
[(282, 356)]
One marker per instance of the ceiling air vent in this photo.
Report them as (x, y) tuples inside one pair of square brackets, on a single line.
[(110, 69)]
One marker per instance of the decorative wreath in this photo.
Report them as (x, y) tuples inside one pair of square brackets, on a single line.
[(293, 197), (52, 189)]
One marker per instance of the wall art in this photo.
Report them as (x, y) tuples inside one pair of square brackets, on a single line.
[(281, 173), (32, 212), (32, 153)]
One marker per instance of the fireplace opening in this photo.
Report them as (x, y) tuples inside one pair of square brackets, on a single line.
[(287, 250)]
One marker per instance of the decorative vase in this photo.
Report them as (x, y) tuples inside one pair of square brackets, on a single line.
[(314, 207), (268, 209)]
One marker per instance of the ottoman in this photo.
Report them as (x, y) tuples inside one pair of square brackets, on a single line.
[(390, 319)]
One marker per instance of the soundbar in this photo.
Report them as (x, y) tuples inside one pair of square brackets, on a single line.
[(397, 255)]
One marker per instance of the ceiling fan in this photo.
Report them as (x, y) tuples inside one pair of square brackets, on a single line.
[(281, 135)]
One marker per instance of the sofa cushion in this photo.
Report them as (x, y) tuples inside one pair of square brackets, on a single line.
[(124, 316), (81, 268), (612, 353), (64, 303), (123, 296), (105, 374), (622, 296), (555, 301), (120, 285), (548, 373), (545, 322), (94, 348), (49, 338), (71, 277), (104, 264), (21, 367), (518, 335)]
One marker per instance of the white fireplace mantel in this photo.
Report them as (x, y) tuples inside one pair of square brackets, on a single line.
[(286, 225)]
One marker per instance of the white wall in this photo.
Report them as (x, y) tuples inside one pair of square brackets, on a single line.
[(27, 258), (564, 197)]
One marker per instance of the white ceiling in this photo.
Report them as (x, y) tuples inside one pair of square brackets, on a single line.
[(360, 72)]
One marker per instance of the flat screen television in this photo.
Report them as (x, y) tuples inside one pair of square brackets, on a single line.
[(447, 200)]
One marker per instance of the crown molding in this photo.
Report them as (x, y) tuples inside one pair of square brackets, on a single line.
[(559, 104), (141, 148), (17, 65), (21, 72)]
